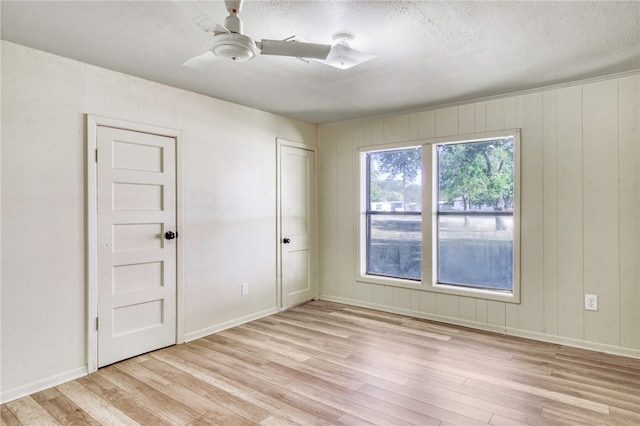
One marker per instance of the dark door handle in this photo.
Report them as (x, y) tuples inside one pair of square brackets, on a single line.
[(170, 235), (286, 240)]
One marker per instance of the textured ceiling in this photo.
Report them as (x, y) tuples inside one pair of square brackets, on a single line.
[(429, 53)]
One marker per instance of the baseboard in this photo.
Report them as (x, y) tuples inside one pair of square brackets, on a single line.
[(575, 343), (548, 338), (40, 385), (193, 335)]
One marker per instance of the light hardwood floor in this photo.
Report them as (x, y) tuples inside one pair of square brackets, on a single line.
[(329, 364)]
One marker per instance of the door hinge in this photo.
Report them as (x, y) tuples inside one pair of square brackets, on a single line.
[(96, 155), (97, 323)]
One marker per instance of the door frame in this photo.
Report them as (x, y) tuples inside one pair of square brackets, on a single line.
[(280, 142), (92, 124)]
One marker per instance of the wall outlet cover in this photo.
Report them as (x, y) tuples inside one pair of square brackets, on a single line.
[(591, 302)]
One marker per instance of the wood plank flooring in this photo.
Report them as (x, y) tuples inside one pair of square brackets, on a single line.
[(329, 364)]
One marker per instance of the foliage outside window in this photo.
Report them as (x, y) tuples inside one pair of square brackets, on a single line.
[(475, 228), (393, 213)]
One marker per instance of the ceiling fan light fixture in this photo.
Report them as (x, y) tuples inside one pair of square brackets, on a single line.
[(234, 47)]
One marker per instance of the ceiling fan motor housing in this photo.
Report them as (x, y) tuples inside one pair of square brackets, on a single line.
[(234, 47)]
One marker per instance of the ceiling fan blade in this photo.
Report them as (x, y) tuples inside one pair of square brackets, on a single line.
[(192, 11), (202, 62), (294, 48), (344, 57)]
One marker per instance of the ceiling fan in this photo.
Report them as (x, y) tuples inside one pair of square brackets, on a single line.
[(230, 43)]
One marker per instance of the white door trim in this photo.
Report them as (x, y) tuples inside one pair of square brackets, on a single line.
[(93, 121), (280, 142)]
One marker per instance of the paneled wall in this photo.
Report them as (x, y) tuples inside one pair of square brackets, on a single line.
[(580, 213)]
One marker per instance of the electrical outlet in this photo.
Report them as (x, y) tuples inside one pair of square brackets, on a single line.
[(591, 302), (245, 289)]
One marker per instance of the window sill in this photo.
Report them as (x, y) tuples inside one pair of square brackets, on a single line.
[(397, 282), (477, 293)]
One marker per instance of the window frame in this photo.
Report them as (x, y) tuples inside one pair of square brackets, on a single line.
[(361, 274), (430, 232), (429, 217)]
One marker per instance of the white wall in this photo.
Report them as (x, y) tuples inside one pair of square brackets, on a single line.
[(580, 222), (229, 199)]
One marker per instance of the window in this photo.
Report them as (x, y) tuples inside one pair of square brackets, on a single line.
[(475, 193), (466, 239), (393, 213)]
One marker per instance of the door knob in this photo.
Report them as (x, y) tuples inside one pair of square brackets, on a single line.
[(170, 235), (286, 240)]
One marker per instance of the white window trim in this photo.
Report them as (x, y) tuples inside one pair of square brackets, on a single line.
[(429, 218), (429, 225)]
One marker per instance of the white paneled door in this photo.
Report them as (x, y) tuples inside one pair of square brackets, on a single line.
[(297, 216), (136, 237)]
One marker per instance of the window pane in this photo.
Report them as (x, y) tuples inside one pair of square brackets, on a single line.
[(394, 184), (395, 246), (476, 251)]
